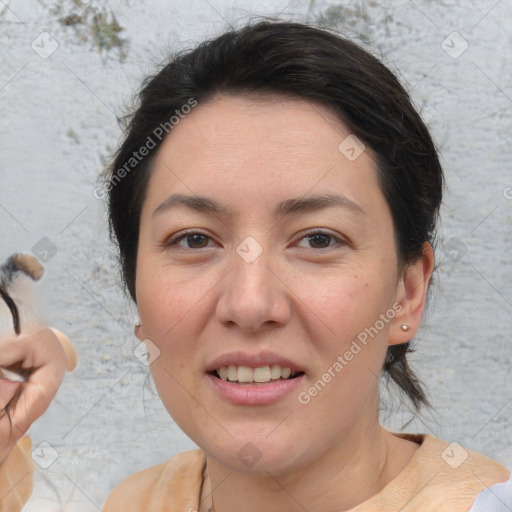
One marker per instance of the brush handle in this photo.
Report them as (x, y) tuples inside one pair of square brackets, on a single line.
[(12, 308), (69, 349)]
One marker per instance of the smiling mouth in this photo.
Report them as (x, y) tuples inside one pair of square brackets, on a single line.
[(245, 375)]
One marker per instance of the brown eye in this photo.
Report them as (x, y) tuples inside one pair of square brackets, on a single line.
[(193, 240), (196, 240), (321, 239)]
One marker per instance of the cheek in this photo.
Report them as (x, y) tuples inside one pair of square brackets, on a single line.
[(350, 341), (345, 321), (346, 302), (174, 312), (171, 315), (165, 302)]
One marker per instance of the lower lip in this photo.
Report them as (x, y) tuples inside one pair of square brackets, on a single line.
[(254, 394)]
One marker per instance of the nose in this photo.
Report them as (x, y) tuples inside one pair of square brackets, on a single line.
[(253, 295)]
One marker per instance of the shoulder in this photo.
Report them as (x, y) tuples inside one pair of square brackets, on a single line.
[(451, 477), (177, 481), (461, 464)]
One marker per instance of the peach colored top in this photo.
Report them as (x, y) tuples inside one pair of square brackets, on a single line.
[(441, 477), (17, 477), (438, 478)]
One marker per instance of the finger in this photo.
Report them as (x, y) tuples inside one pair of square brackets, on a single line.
[(14, 350), (38, 392), (32, 348), (42, 356), (40, 352)]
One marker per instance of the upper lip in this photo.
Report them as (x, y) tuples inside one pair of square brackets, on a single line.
[(253, 360)]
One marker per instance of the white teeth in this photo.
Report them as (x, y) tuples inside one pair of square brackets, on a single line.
[(247, 374), (275, 371), (232, 372), (261, 374)]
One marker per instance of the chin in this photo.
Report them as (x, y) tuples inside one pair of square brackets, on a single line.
[(257, 455)]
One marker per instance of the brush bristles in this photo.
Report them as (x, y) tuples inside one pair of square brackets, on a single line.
[(26, 263)]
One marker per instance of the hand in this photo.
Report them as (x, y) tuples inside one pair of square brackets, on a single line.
[(43, 354)]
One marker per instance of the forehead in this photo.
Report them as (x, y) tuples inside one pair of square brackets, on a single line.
[(249, 122), (270, 147)]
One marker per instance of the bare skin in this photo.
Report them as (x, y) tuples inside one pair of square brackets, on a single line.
[(301, 301)]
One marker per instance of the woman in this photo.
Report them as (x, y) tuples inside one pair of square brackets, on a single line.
[(274, 202)]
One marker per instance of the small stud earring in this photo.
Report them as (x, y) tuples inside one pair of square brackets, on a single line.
[(404, 328)]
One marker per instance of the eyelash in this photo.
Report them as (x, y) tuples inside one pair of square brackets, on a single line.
[(173, 241)]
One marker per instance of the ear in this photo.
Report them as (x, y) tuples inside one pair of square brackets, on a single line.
[(411, 295), (139, 331)]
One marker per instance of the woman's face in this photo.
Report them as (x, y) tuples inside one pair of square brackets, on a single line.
[(252, 290)]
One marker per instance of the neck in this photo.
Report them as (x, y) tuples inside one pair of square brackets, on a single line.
[(350, 472)]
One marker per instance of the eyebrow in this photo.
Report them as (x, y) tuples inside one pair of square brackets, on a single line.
[(294, 205)]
